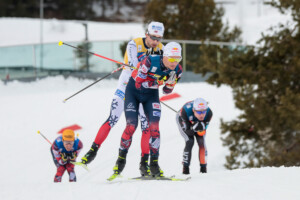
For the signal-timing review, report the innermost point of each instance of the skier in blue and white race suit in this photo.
(192, 120)
(136, 50)
(142, 89)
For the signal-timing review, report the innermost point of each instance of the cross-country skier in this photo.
(192, 120)
(136, 50)
(64, 150)
(142, 89)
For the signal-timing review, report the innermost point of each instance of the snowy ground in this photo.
(27, 170)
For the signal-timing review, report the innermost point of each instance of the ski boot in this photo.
(144, 167)
(154, 168)
(186, 170)
(121, 161)
(203, 168)
(91, 154)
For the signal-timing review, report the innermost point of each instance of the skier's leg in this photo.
(59, 173)
(189, 143)
(153, 111)
(117, 107)
(60, 168)
(202, 153)
(145, 143)
(131, 108)
(145, 131)
(71, 172)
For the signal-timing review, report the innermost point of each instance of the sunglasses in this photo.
(155, 38)
(199, 112)
(68, 142)
(174, 59)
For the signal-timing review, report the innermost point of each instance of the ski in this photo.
(160, 178)
(81, 164)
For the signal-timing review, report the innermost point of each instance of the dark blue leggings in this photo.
(150, 101)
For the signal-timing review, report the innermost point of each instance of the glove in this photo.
(160, 82)
(64, 157)
(158, 52)
(72, 156)
(138, 85)
(199, 127)
(149, 51)
(203, 168)
(201, 133)
(172, 79)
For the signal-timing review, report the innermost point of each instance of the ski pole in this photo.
(60, 43)
(44, 137)
(169, 106)
(93, 83)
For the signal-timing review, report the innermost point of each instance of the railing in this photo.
(28, 61)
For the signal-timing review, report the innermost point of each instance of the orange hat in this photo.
(68, 135)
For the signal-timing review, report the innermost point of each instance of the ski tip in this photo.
(60, 43)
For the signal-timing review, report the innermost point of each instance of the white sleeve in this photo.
(132, 53)
(124, 78)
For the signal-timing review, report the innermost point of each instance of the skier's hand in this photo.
(172, 79)
(149, 51)
(158, 52)
(160, 82)
(64, 157)
(138, 85)
(201, 133)
(198, 127)
(72, 156)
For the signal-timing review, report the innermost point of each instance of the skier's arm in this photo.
(186, 122)
(132, 53)
(57, 154)
(143, 69)
(172, 79)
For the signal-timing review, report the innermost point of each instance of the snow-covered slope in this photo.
(27, 169)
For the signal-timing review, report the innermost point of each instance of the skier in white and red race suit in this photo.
(192, 120)
(65, 149)
(142, 89)
(136, 50)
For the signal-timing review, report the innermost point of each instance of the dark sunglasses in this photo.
(199, 112)
(155, 38)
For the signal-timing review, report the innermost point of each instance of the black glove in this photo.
(71, 156)
(158, 52)
(150, 51)
(198, 127)
(203, 168)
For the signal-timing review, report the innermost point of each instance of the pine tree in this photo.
(193, 20)
(266, 85)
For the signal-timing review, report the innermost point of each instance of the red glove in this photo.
(138, 85)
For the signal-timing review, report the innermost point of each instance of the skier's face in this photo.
(171, 62)
(200, 115)
(152, 40)
(68, 145)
